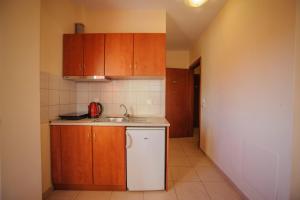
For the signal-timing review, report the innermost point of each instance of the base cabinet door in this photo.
(76, 155)
(109, 156)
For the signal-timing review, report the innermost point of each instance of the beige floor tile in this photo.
(177, 153)
(190, 191)
(209, 173)
(192, 150)
(199, 161)
(175, 146)
(93, 195)
(179, 161)
(221, 191)
(184, 174)
(161, 195)
(63, 195)
(127, 196)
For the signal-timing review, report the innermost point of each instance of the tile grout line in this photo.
(76, 196)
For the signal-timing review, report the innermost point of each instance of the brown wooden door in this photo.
(119, 54)
(76, 155)
(93, 54)
(149, 54)
(109, 155)
(178, 102)
(72, 55)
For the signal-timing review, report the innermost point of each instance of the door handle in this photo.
(128, 140)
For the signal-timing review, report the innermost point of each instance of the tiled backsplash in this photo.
(142, 97)
(58, 96)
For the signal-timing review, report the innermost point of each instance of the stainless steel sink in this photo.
(112, 119)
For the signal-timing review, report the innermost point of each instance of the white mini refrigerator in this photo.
(145, 158)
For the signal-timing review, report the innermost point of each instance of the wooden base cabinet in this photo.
(85, 157)
(109, 155)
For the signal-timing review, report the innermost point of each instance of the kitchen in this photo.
(113, 148)
(114, 74)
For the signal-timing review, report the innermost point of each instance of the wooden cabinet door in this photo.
(76, 155)
(72, 55)
(109, 155)
(149, 54)
(119, 54)
(55, 146)
(93, 54)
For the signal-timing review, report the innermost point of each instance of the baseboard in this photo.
(47, 193)
(244, 197)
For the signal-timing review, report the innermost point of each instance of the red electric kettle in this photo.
(95, 110)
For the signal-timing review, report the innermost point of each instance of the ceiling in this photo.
(184, 24)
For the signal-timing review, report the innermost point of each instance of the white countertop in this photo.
(133, 121)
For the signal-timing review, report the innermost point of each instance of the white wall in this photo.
(178, 59)
(295, 191)
(19, 82)
(247, 68)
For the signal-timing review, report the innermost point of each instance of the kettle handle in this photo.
(100, 107)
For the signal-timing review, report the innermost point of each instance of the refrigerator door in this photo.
(145, 159)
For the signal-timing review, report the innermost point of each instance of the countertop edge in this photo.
(151, 122)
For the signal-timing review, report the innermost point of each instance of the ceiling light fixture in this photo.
(195, 3)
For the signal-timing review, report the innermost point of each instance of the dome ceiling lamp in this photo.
(195, 3)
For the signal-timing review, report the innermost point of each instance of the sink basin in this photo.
(112, 119)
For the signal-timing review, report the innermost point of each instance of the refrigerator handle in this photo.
(128, 140)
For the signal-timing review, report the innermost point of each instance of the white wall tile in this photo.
(44, 97)
(73, 97)
(54, 82)
(53, 97)
(82, 108)
(53, 112)
(65, 109)
(94, 86)
(108, 109)
(121, 97)
(64, 97)
(138, 85)
(82, 97)
(82, 86)
(94, 96)
(149, 98)
(146, 93)
(106, 97)
(106, 86)
(44, 114)
(65, 85)
(120, 85)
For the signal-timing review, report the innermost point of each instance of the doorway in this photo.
(196, 123)
(179, 102)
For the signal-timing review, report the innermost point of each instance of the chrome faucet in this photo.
(126, 112)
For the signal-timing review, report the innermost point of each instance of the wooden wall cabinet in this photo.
(85, 157)
(119, 54)
(115, 54)
(83, 54)
(149, 54)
